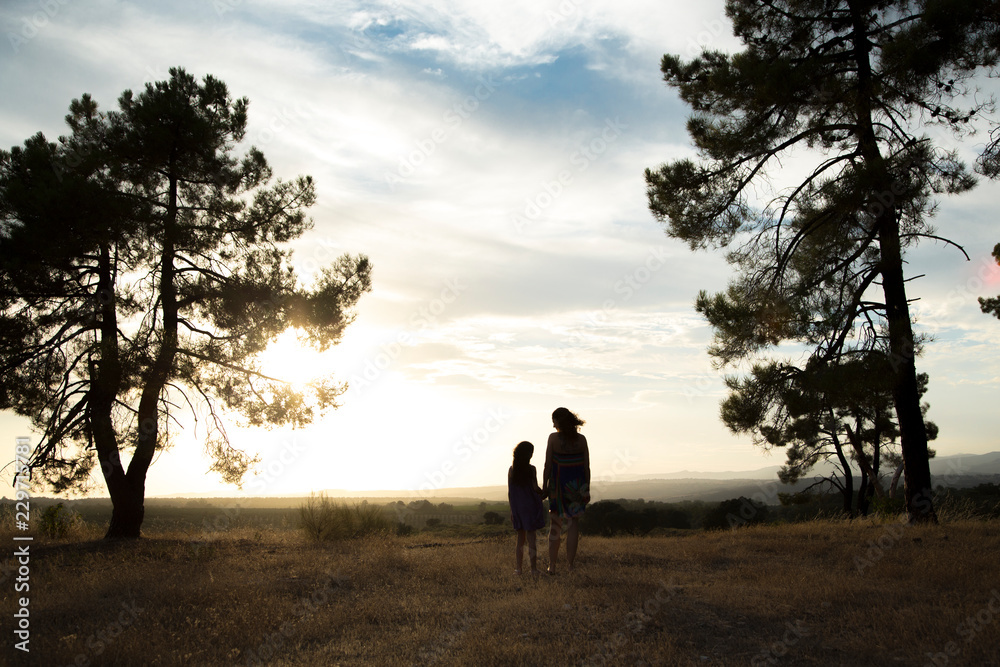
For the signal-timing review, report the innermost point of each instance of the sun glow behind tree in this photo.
(532, 325)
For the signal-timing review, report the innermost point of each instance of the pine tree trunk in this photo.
(867, 472)
(845, 465)
(849, 491)
(127, 512)
(906, 390)
(864, 494)
(128, 489)
(884, 207)
(126, 500)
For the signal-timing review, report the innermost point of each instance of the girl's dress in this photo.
(526, 511)
(568, 484)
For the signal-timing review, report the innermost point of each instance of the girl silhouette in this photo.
(525, 498)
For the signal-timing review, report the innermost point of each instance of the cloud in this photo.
(489, 159)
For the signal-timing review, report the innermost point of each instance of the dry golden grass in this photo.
(823, 593)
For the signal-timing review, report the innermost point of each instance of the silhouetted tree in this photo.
(143, 270)
(818, 413)
(847, 86)
(603, 518)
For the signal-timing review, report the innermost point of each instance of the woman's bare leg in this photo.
(519, 551)
(554, 536)
(572, 540)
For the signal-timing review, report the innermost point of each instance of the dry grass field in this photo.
(816, 593)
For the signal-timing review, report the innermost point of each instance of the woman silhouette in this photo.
(566, 477)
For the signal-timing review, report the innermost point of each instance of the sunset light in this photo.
(468, 332)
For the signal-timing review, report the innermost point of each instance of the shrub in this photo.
(603, 518)
(884, 506)
(322, 519)
(492, 519)
(978, 502)
(735, 513)
(371, 519)
(57, 522)
(421, 506)
(609, 518)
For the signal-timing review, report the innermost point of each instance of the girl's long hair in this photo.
(566, 424)
(520, 472)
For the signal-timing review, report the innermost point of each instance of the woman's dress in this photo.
(568, 488)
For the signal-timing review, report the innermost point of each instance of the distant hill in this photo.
(964, 465)
(770, 472)
(963, 470)
(950, 466)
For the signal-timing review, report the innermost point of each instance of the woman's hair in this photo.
(566, 420)
(566, 424)
(520, 471)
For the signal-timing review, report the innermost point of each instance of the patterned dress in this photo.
(568, 488)
(526, 510)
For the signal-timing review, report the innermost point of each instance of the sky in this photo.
(488, 157)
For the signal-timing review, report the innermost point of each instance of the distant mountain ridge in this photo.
(760, 473)
(957, 464)
(966, 464)
(961, 470)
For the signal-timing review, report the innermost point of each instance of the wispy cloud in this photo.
(499, 148)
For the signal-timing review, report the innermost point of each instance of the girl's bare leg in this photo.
(554, 537)
(572, 540)
(532, 552)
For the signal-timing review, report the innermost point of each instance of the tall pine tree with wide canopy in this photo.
(846, 88)
(143, 268)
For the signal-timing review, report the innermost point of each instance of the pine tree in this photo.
(144, 268)
(845, 87)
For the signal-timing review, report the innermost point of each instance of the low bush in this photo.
(322, 519)
(493, 519)
(735, 513)
(58, 522)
